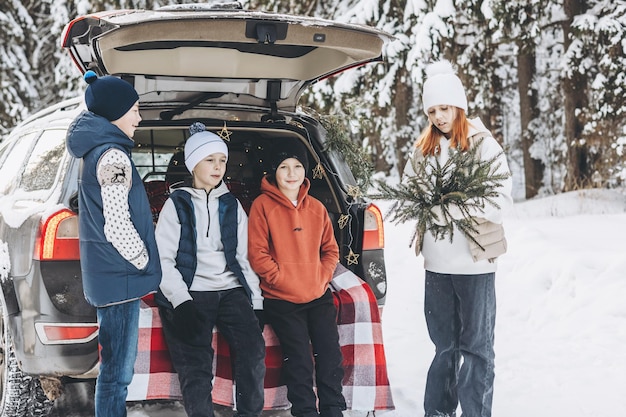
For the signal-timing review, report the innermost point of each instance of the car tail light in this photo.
(66, 333)
(58, 238)
(373, 229)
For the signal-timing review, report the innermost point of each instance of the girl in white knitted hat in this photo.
(460, 303)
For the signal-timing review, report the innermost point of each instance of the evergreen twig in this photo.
(464, 183)
(339, 140)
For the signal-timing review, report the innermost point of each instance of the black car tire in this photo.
(21, 394)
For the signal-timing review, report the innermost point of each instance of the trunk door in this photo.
(192, 54)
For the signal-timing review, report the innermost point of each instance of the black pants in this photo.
(231, 312)
(298, 327)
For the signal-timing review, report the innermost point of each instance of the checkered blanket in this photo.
(365, 385)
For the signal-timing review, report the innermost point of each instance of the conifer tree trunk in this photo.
(403, 102)
(526, 70)
(575, 93)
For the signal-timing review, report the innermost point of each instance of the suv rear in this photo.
(241, 74)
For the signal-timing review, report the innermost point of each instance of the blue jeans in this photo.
(231, 312)
(117, 336)
(460, 314)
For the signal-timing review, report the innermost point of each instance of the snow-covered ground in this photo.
(561, 321)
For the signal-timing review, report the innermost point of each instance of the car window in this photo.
(342, 169)
(14, 161)
(153, 150)
(152, 165)
(42, 167)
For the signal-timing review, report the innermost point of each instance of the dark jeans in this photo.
(232, 313)
(460, 314)
(298, 327)
(117, 336)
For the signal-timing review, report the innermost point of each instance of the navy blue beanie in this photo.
(108, 96)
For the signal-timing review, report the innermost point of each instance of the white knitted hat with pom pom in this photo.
(201, 144)
(443, 87)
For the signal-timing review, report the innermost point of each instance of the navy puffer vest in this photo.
(186, 260)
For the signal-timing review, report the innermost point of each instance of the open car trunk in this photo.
(158, 156)
(264, 59)
(159, 160)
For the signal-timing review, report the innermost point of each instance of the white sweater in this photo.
(443, 256)
(212, 273)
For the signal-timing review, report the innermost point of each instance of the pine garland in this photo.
(338, 140)
(463, 184)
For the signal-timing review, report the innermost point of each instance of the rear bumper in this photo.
(76, 359)
(35, 303)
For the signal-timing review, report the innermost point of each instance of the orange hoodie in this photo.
(292, 249)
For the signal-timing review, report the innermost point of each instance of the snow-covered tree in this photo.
(546, 76)
(17, 90)
(34, 70)
(519, 29)
(594, 66)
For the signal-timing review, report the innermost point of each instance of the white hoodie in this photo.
(212, 273)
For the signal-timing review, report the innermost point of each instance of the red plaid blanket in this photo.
(365, 385)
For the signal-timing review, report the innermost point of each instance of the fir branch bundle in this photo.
(338, 139)
(442, 197)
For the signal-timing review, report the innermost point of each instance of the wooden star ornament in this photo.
(354, 191)
(318, 172)
(343, 220)
(225, 133)
(352, 258)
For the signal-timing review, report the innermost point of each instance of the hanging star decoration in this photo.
(354, 191)
(318, 172)
(343, 220)
(352, 258)
(225, 133)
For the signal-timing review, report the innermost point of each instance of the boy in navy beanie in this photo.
(119, 257)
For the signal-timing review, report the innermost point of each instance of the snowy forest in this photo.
(548, 77)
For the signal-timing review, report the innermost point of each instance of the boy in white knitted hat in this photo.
(459, 301)
(202, 236)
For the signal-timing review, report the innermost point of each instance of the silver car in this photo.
(239, 72)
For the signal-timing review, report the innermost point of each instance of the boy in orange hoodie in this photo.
(292, 247)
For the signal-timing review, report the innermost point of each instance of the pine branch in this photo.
(464, 183)
(338, 139)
